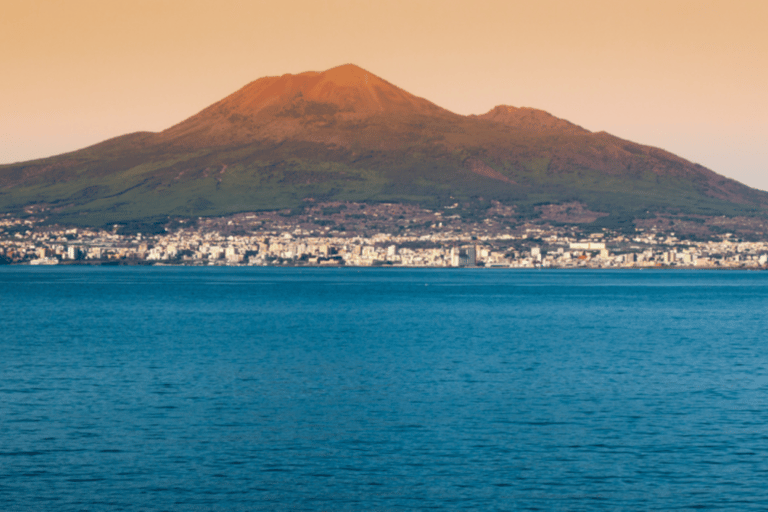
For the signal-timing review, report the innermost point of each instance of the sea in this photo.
(348, 389)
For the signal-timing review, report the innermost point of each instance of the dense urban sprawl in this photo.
(370, 235)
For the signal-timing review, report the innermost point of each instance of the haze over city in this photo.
(684, 76)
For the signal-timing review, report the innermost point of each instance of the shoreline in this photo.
(144, 263)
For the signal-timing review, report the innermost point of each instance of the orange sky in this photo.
(687, 76)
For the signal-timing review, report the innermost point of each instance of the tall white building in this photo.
(73, 252)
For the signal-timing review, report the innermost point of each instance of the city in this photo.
(363, 235)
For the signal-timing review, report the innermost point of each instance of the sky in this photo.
(686, 76)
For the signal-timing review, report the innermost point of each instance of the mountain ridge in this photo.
(345, 134)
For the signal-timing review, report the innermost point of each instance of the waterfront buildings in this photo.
(253, 239)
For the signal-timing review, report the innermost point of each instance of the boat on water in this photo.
(44, 261)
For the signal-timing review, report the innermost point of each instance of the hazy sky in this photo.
(687, 76)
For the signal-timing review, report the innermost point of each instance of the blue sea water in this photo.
(352, 389)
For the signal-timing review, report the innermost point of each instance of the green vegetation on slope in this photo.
(433, 162)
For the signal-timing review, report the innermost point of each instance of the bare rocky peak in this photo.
(290, 105)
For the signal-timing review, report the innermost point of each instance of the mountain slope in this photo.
(329, 108)
(346, 134)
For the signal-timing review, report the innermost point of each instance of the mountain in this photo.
(348, 135)
(317, 107)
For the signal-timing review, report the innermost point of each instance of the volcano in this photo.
(319, 107)
(347, 135)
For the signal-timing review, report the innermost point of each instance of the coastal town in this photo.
(383, 235)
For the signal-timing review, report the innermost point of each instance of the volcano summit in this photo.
(347, 135)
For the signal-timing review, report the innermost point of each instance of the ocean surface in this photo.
(359, 389)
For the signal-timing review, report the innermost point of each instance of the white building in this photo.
(73, 252)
